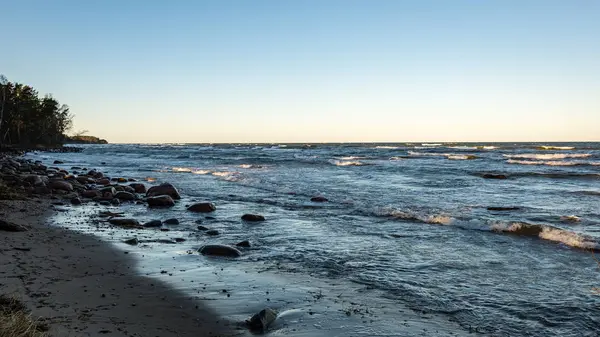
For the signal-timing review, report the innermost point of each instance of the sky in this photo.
(144, 71)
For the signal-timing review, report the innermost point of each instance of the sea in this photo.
(494, 239)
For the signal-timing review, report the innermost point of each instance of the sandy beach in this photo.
(80, 286)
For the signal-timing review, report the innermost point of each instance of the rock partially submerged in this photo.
(138, 187)
(172, 221)
(163, 189)
(260, 322)
(244, 244)
(253, 217)
(220, 250)
(161, 201)
(153, 223)
(503, 208)
(132, 242)
(319, 199)
(202, 207)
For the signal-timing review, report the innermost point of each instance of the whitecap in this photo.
(201, 172)
(548, 147)
(382, 147)
(547, 156)
(553, 162)
(549, 233)
(347, 163)
(181, 169)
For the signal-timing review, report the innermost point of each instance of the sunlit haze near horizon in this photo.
(313, 71)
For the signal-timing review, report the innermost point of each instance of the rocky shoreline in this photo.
(30, 191)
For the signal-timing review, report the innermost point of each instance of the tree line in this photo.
(27, 118)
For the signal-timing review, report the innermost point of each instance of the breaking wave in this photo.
(548, 156)
(452, 156)
(385, 147)
(348, 163)
(548, 233)
(437, 219)
(553, 162)
(548, 147)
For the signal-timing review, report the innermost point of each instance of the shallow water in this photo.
(408, 222)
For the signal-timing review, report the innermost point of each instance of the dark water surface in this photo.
(408, 220)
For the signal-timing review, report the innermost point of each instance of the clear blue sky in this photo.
(326, 70)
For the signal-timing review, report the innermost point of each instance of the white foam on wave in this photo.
(452, 156)
(431, 144)
(351, 158)
(201, 172)
(547, 156)
(249, 166)
(347, 163)
(549, 233)
(181, 169)
(552, 162)
(570, 218)
(461, 157)
(548, 147)
(383, 147)
(569, 238)
(436, 219)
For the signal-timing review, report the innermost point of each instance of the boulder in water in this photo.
(253, 217)
(244, 244)
(153, 223)
(172, 221)
(202, 207)
(319, 199)
(260, 322)
(161, 201)
(132, 242)
(220, 250)
(164, 189)
(212, 232)
(503, 208)
(125, 196)
(138, 187)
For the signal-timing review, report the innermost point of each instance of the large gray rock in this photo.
(60, 185)
(161, 201)
(125, 196)
(91, 194)
(164, 189)
(261, 321)
(36, 180)
(138, 187)
(220, 250)
(202, 207)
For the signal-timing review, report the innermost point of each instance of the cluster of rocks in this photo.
(81, 186)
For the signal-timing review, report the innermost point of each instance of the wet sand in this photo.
(81, 286)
